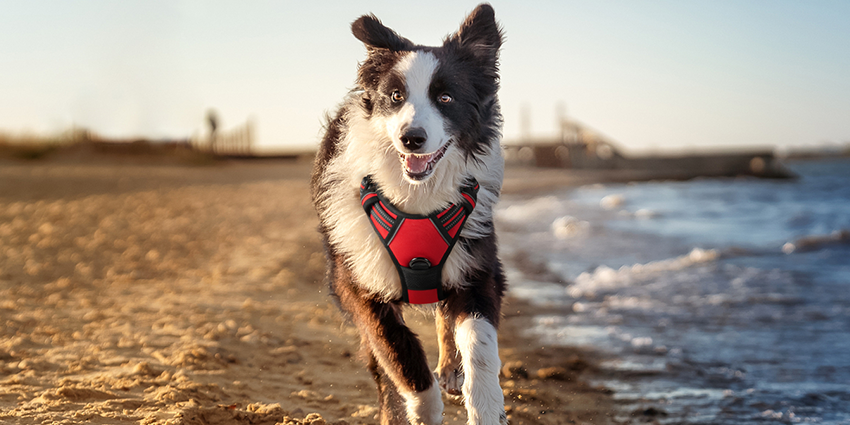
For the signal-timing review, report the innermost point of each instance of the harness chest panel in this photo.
(418, 244)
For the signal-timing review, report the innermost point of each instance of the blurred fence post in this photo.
(236, 142)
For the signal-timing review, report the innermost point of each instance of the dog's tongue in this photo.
(417, 164)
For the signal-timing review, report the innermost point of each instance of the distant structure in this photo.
(236, 142)
(212, 120)
(577, 146)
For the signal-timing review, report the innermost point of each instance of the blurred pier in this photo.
(581, 148)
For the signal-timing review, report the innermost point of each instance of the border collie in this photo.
(421, 127)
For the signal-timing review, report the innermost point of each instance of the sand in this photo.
(143, 292)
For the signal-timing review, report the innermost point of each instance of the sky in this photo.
(651, 75)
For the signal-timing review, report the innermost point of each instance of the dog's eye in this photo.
(445, 98)
(396, 96)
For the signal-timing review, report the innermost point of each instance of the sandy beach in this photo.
(151, 293)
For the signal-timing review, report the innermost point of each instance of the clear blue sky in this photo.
(650, 74)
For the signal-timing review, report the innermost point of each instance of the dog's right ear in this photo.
(375, 35)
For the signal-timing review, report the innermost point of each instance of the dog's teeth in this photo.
(417, 164)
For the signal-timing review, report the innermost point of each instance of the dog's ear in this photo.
(375, 35)
(480, 35)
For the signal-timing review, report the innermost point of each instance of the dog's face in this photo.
(431, 104)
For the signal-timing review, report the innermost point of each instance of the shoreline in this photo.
(145, 293)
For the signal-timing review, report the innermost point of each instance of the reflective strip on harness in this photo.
(418, 244)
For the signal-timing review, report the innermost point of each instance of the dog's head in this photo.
(432, 104)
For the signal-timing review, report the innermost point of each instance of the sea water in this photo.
(711, 300)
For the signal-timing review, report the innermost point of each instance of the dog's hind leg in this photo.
(449, 371)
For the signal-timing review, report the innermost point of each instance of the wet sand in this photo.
(173, 294)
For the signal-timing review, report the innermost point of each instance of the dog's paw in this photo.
(451, 380)
(425, 407)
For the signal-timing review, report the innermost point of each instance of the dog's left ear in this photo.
(480, 35)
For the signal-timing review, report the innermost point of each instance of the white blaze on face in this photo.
(418, 109)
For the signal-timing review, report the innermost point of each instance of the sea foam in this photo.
(605, 278)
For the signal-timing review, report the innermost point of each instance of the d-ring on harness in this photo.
(418, 244)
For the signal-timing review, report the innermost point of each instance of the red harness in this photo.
(418, 244)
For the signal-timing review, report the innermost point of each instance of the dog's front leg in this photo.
(477, 315)
(394, 352)
(399, 353)
(478, 344)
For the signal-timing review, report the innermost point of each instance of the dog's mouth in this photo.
(419, 166)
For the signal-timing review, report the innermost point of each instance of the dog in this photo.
(404, 184)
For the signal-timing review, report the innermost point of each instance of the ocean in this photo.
(708, 301)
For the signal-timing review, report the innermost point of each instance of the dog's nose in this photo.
(413, 138)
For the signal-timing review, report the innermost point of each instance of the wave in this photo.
(565, 227)
(817, 242)
(530, 210)
(604, 278)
